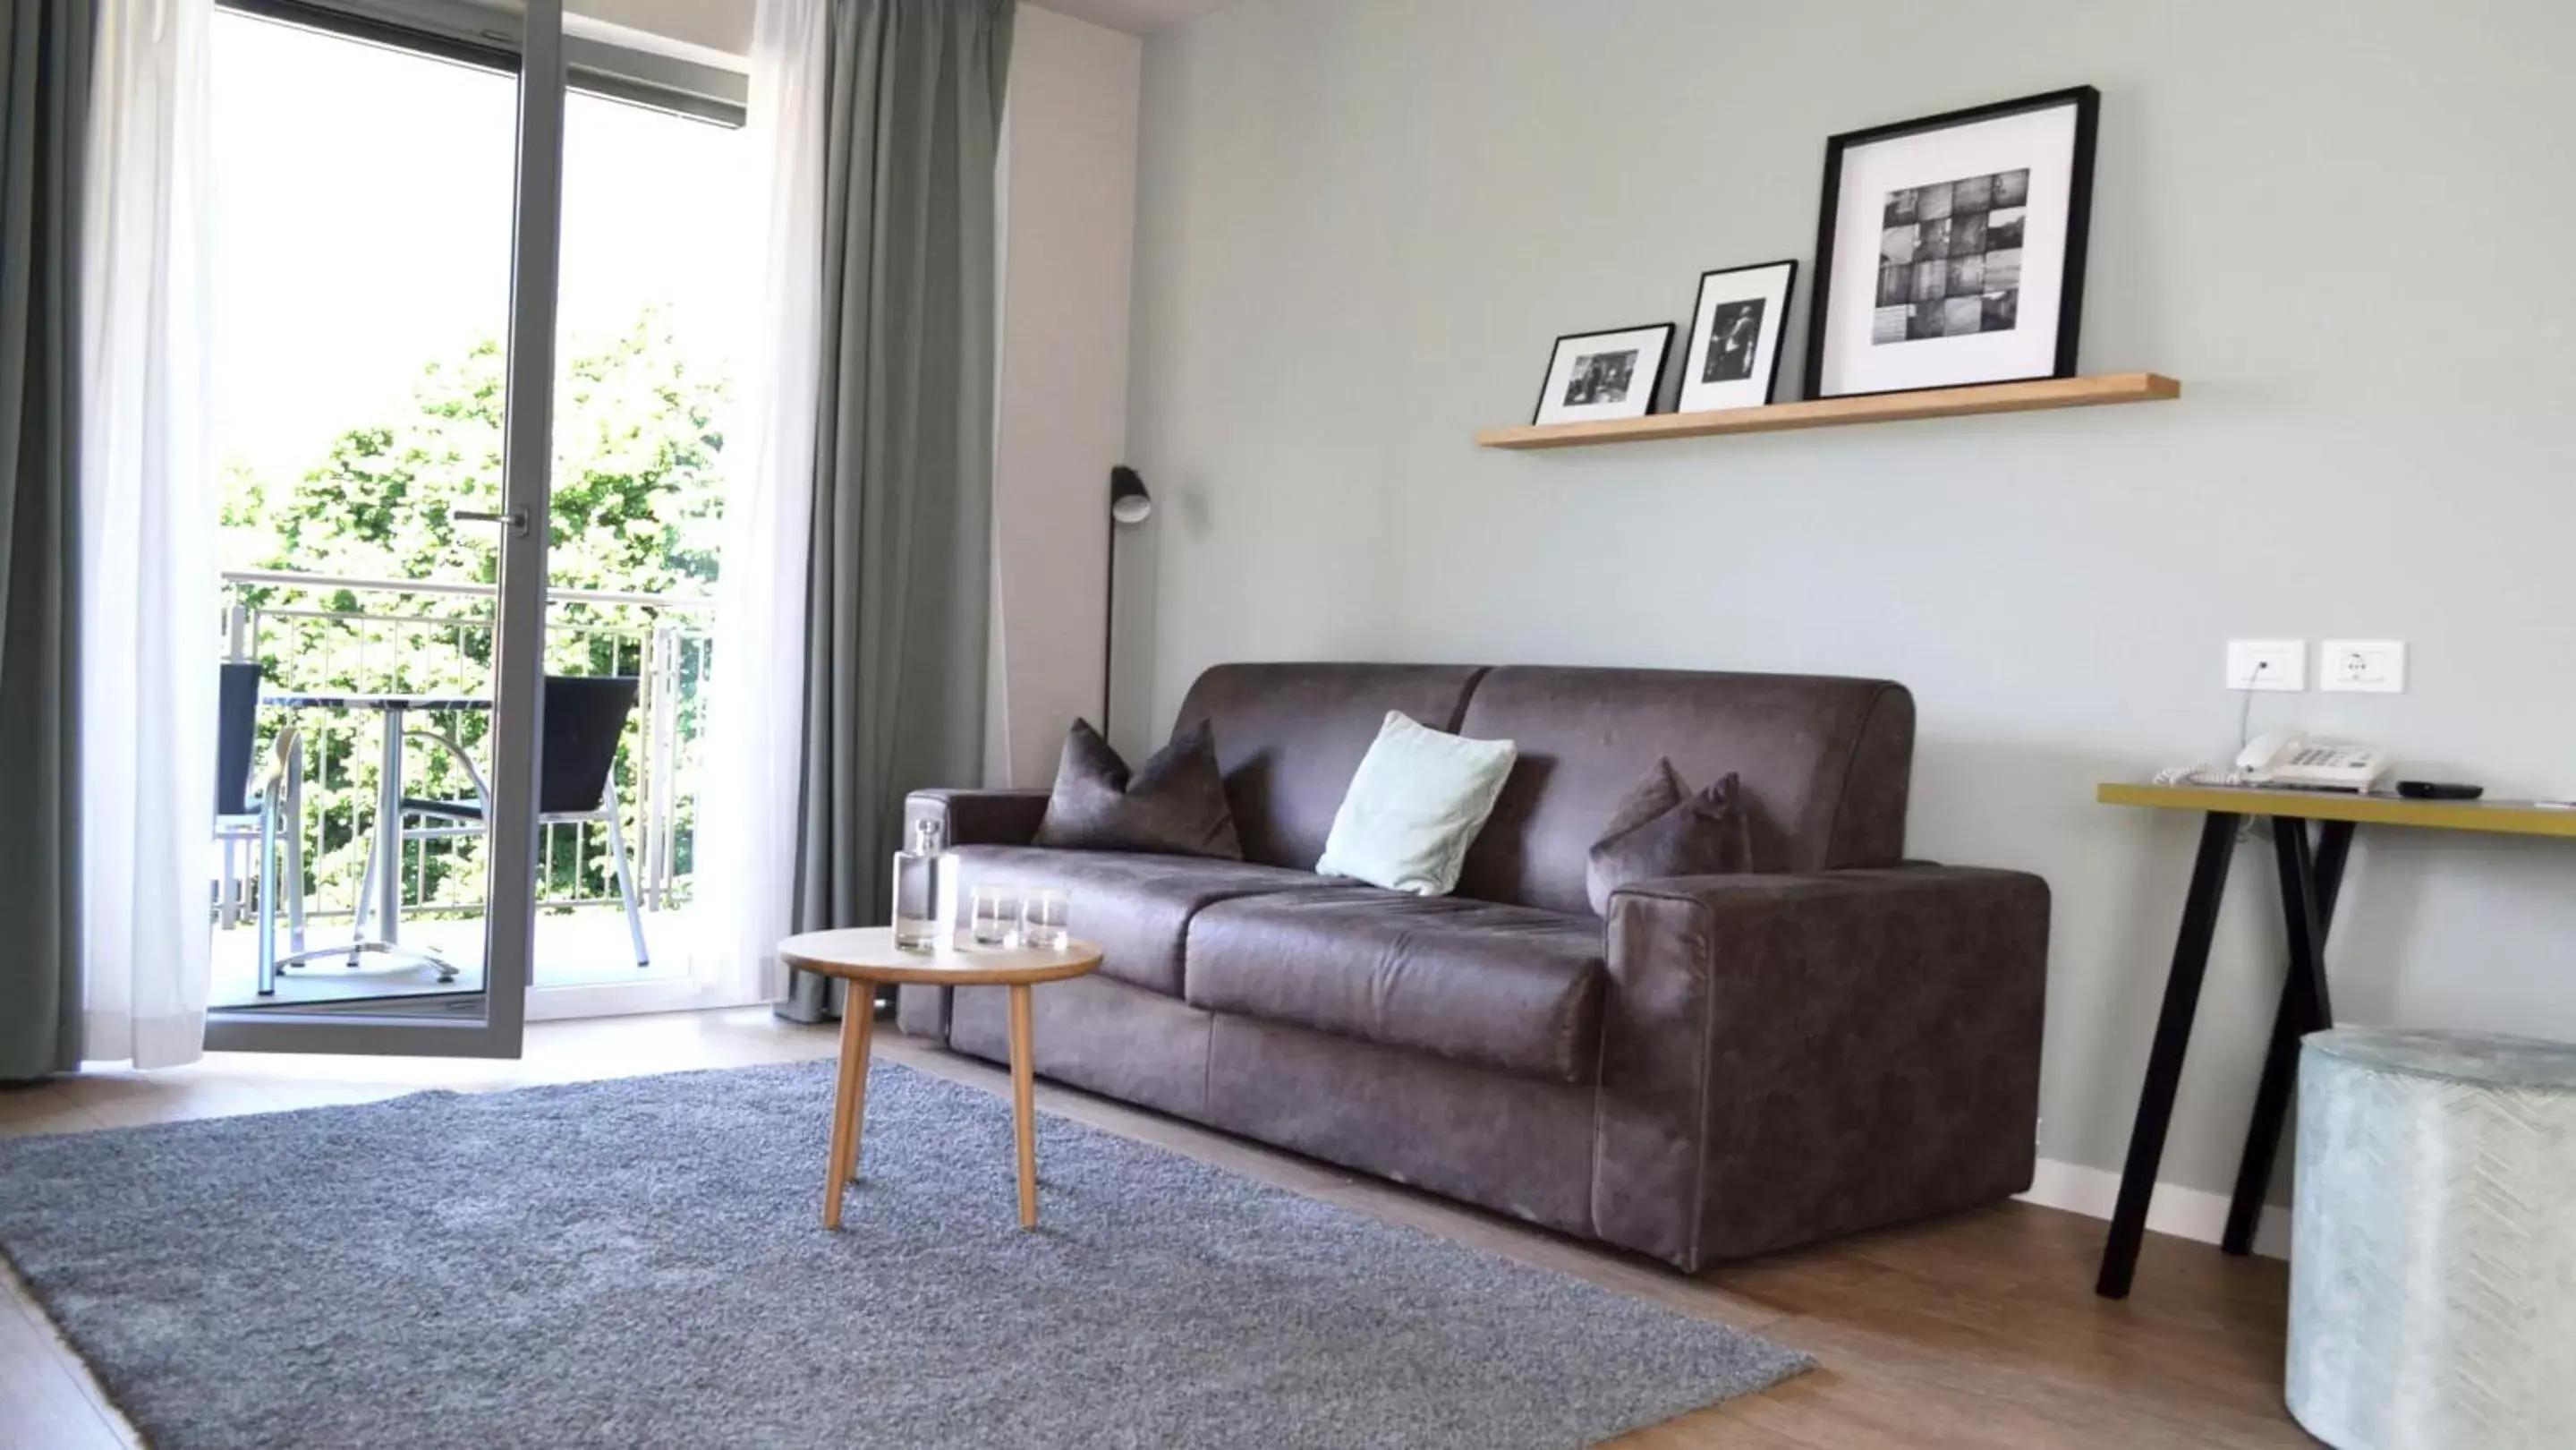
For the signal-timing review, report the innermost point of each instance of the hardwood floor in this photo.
(1979, 1330)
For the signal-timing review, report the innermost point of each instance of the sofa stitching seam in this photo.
(1842, 786)
(1601, 1077)
(1467, 697)
(1207, 1070)
(1698, 1224)
(1207, 1063)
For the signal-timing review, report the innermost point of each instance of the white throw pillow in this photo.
(1414, 807)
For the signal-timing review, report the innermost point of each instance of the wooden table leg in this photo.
(850, 1098)
(1024, 1108)
(2164, 1059)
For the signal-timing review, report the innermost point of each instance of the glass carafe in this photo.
(917, 924)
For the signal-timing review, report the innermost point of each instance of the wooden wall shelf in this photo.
(1833, 412)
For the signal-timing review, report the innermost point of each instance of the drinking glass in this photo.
(996, 916)
(1046, 920)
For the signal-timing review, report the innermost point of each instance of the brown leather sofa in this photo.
(1728, 1065)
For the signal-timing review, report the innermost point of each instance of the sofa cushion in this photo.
(1173, 804)
(1503, 987)
(1823, 762)
(1288, 738)
(1135, 906)
(1662, 828)
(1419, 797)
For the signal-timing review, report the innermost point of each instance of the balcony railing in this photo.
(312, 633)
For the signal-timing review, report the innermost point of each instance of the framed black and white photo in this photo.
(1733, 360)
(1596, 376)
(1950, 250)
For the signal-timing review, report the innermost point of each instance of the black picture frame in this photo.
(1779, 326)
(2087, 103)
(1654, 383)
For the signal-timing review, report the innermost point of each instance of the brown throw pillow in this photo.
(1173, 804)
(1662, 829)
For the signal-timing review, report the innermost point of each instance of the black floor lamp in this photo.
(1129, 505)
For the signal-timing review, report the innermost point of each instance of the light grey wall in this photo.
(2350, 228)
(1068, 204)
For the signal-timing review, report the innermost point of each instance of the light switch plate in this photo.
(2267, 664)
(2374, 666)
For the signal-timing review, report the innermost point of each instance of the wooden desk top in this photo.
(2503, 818)
(868, 954)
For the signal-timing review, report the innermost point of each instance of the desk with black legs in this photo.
(2310, 869)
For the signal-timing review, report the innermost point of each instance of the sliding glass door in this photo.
(649, 317)
(387, 189)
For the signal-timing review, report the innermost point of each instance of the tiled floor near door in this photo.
(1979, 1330)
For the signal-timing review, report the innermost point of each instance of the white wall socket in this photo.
(2374, 666)
(2267, 664)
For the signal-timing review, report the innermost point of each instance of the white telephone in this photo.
(2289, 759)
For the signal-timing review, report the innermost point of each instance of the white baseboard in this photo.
(2183, 1212)
(628, 999)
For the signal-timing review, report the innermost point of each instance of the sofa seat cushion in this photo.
(1136, 906)
(1503, 987)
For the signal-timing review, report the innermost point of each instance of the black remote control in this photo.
(2439, 790)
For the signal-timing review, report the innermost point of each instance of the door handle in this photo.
(517, 519)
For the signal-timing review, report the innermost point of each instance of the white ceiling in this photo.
(1137, 17)
(725, 25)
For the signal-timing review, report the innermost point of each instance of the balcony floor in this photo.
(583, 946)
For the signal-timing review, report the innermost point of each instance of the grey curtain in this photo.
(45, 51)
(898, 580)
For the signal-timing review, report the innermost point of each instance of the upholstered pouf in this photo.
(2433, 1254)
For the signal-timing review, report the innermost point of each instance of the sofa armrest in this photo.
(1790, 1057)
(979, 817)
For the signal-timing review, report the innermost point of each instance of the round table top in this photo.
(868, 954)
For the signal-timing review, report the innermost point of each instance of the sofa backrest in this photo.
(1824, 760)
(1289, 737)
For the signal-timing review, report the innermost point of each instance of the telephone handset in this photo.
(2288, 759)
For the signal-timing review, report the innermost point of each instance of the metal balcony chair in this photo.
(576, 781)
(277, 790)
(246, 810)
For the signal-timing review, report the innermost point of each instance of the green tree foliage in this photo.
(637, 509)
(637, 498)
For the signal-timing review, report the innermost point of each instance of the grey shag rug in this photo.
(639, 1263)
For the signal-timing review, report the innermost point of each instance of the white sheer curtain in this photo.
(147, 520)
(746, 865)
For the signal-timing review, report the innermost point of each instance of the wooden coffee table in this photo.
(865, 957)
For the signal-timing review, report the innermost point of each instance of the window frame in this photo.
(489, 37)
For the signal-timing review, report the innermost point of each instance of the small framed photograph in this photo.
(1597, 376)
(1733, 360)
(1950, 250)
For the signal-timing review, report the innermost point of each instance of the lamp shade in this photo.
(1129, 503)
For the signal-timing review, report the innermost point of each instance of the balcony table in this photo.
(387, 847)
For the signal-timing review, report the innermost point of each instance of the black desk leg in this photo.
(2305, 1007)
(2164, 1059)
